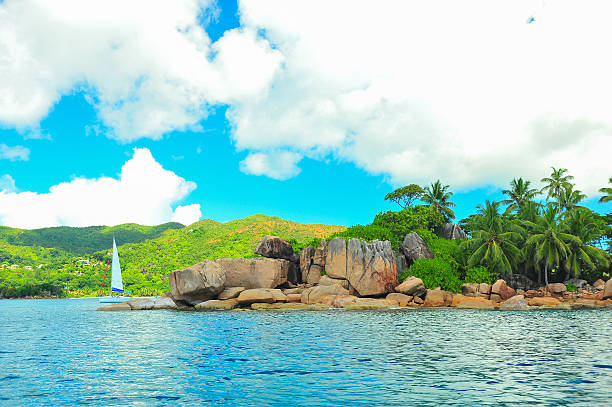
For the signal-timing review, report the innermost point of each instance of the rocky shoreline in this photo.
(353, 275)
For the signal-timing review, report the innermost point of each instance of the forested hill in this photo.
(82, 240)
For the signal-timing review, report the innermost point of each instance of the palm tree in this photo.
(608, 191)
(555, 182)
(438, 197)
(518, 194)
(549, 244)
(495, 244)
(529, 211)
(569, 198)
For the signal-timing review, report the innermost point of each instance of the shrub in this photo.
(368, 233)
(480, 274)
(571, 287)
(435, 272)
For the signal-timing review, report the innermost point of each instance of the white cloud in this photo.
(143, 193)
(147, 66)
(187, 214)
(464, 91)
(7, 183)
(280, 165)
(14, 153)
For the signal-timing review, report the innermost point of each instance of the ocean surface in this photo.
(63, 352)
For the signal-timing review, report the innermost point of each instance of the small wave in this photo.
(603, 366)
(9, 377)
(166, 398)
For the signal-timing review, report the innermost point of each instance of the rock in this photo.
(294, 297)
(518, 281)
(326, 280)
(279, 296)
(139, 304)
(320, 254)
(295, 290)
(607, 292)
(542, 301)
(495, 298)
(402, 263)
(576, 282)
(401, 299)
(340, 301)
(230, 292)
(501, 288)
(516, 303)
(120, 306)
(274, 247)
(252, 295)
(198, 283)
(484, 288)
(583, 303)
(599, 283)
(306, 261)
(438, 298)
(317, 294)
(362, 304)
(371, 267)
(412, 286)
(255, 273)
(474, 303)
(452, 231)
(297, 306)
(469, 289)
(164, 302)
(314, 274)
(414, 248)
(336, 259)
(212, 305)
(418, 300)
(556, 288)
(294, 276)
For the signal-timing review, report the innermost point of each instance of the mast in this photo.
(116, 281)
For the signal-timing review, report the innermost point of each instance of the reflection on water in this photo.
(64, 352)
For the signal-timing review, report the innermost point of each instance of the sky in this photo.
(157, 111)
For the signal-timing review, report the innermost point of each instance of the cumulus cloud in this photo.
(143, 193)
(7, 183)
(280, 165)
(147, 66)
(14, 153)
(463, 91)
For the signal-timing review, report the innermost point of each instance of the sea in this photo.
(64, 352)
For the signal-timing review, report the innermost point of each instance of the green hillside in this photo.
(146, 263)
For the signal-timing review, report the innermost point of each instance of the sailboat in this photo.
(116, 281)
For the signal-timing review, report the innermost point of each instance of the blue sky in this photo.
(274, 133)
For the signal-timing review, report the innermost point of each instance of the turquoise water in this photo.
(58, 352)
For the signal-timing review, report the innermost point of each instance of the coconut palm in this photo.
(556, 182)
(548, 246)
(518, 194)
(437, 196)
(529, 211)
(607, 193)
(494, 245)
(569, 198)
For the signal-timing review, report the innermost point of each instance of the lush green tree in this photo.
(405, 196)
(438, 198)
(494, 243)
(548, 245)
(529, 211)
(400, 223)
(555, 183)
(518, 194)
(569, 198)
(607, 193)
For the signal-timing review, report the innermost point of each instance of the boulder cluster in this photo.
(351, 274)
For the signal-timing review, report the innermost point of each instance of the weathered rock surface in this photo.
(314, 274)
(340, 301)
(252, 295)
(294, 297)
(484, 288)
(371, 267)
(452, 231)
(556, 288)
(255, 273)
(438, 298)
(164, 302)
(518, 281)
(599, 283)
(516, 303)
(198, 283)
(320, 254)
(362, 304)
(212, 305)
(230, 292)
(607, 292)
(317, 294)
(576, 282)
(274, 247)
(336, 259)
(306, 261)
(139, 304)
(543, 301)
(415, 248)
(412, 286)
(288, 306)
(402, 263)
(326, 280)
(501, 288)
(402, 299)
(474, 303)
(120, 306)
(469, 289)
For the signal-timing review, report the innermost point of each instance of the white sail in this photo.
(116, 282)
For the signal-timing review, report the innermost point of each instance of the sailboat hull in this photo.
(114, 299)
